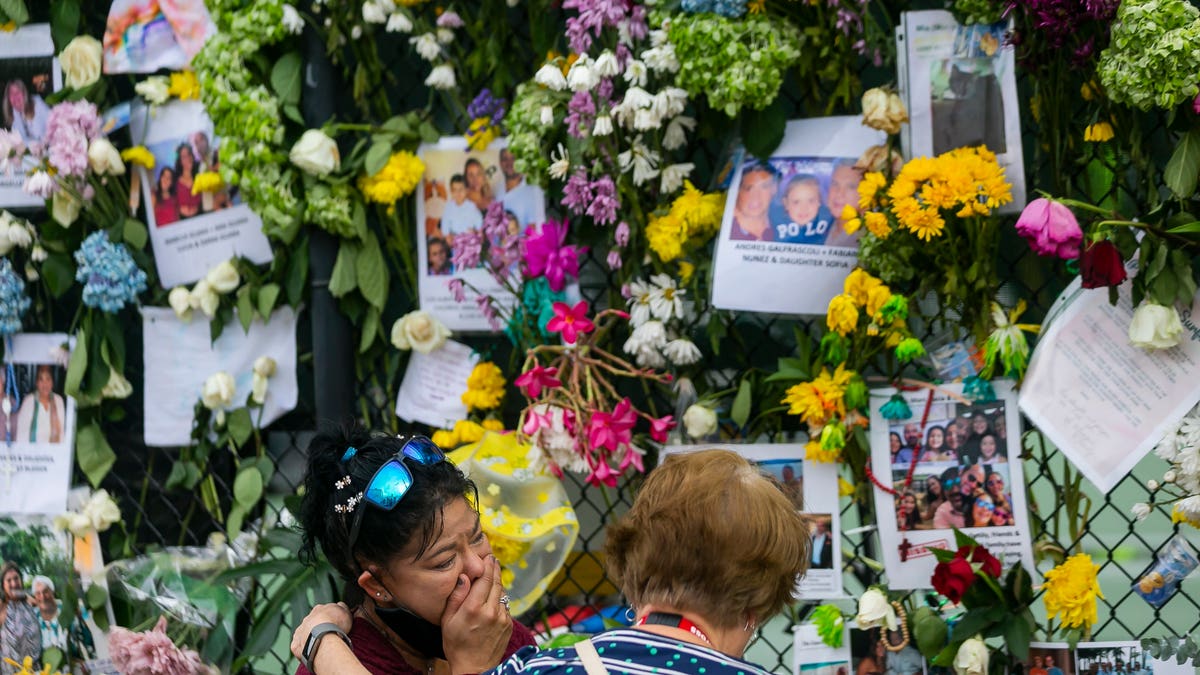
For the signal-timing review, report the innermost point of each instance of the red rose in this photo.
(1100, 265)
(953, 578)
(989, 565)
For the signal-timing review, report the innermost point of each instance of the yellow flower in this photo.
(686, 270)
(868, 186)
(492, 424)
(1089, 90)
(184, 86)
(467, 431)
(445, 438)
(1099, 132)
(1178, 515)
(138, 155)
(756, 6)
(813, 451)
(858, 285)
(926, 224)
(700, 213)
(845, 487)
(822, 398)
(1071, 590)
(398, 178)
(877, 224)
(876, 299)
(9, 27)
(485, 387)
(665, 235)
(481, 133)
(842, 316)
(207, 181)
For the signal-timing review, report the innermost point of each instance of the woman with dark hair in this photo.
(935, 496)
(20, 635)
(396, 520)
(185, 175)
(751, 211)
(908, 516)
(1003, 515)
(710, 549)
(989, 449)
(25, 114)
(42, 414)
(166, 207)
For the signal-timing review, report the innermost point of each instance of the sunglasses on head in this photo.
(392, 481)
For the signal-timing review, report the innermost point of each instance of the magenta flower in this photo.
(581, 114)
(621, 235)
(534, 421)
(612, 430)
(1050, 228)
(659, 428)
(546, 254)
(632, 457)
(536, 379)
(456, 289)
(1196, 104)
(602, 473)
(570, 321)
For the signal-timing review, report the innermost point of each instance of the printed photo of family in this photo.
(38, 411)
(962, 476)
(1049, 660)
(796, 200)
(869, 654)
(458, 188)
(177, 162)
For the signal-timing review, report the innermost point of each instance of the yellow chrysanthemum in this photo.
(876, 298)
(877, 224)
(138, 155)
(822, 398)
(842, 315)
(492, 424)
(665, 235)
(467, 431)
(207, 181)
(926, 224)
(1071, 590)
(481, 133)
(485, 387)
(397, 178)
(1099, 132)
(868, 187)
(699, 212)
(445, 438)
(813, 451)
(859, 284)
(184, 86)
(686, 270)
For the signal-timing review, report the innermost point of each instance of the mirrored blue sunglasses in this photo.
(393, 480)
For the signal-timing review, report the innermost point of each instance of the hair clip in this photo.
(350, 452)
(342, 483)
(348, 507)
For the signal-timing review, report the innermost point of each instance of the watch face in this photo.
(308, 645)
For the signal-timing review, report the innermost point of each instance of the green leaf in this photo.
(975, 621)
(135, 234)
(267, 296)
(930, 631)
(962, 539)
(1017, 634)
(372, 272)
(233, 524)
(741, 403)
(429, 133)
(77, 366)
(377, 157)
(370, 330)
(15, 11)
(946, 656)
(344, 277)
(96, 597)
(790, 368)
(239, 425)
(64, 22)
(59, 272)
(1187, 228)
(248, 486)
(762, 130)
(245, 307)
(1153, 647)
(399, 125)
(93, 453)
(286, 77)
(1183, 169)
(297, 273)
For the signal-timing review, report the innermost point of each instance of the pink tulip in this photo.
(1050, 228)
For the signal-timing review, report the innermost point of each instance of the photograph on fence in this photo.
(978, 487)
(1124, 658)
(29, 73)
(38, 422)
(143, 36)
(191, 231)
(869, 653)
(783, 225)
(39, 564)
(456, 192)
(811, 656)
(1049, 658)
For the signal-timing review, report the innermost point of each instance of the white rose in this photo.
(399, 22)
(316, 153)
(101, 511)
(104, 158)
(155, 89)
(80, 61)
(1170, 476)
(883, 110)
(700, 421)
(64, 208)
(1155, 326)
(264, 366)
(258, 389)
(223, 278)
(204, 298)
(117, 386)
(420, 331)
(75, 523)
(972, 658)
(218, 391)
(181, 301)
(874, 608)
(18, 234)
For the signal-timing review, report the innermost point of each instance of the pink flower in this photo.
(1196, 104)
(571, 321)
(547, 255)
(612, 430)
(659, 428)
(152, 653)
(467, 248)
(602, 473)
(614, 260)
(1050, 228)
(621, 235)
(11, 151)
(534, 421)
(537, 378)
(70, 127)
(632, 457)
(450, 20)
(456, 289)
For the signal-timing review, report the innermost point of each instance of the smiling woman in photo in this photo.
(42, 415)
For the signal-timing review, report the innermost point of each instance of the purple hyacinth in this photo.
(577, 193)
(488, 106)
(605, 203)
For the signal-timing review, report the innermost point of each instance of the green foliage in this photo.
(1153, 60)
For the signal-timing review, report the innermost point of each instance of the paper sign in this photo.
(433, 385)
(811, 656)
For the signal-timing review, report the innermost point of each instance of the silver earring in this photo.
(630, 614)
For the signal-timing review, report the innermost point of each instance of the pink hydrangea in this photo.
(70, 128)
(152, 653)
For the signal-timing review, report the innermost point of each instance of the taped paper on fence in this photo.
(179, 358)
(968, 475)
(433, 385)
(1103, 402)
(37, 426)
(813, 487)
(811, 656)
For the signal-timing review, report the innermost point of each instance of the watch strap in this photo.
(314, 640)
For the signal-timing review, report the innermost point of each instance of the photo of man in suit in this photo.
(822, 542)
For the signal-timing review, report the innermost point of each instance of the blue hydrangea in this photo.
(730, 9)
(696, 6)
(13, 301)
(110, 276)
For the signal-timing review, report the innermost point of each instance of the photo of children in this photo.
(966, 103)
(177, 163)
(795, 200)
(790, 474)
(943, 495)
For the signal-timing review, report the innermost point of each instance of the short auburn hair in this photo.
(710, 533)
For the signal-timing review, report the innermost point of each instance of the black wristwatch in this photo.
(314, 640)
